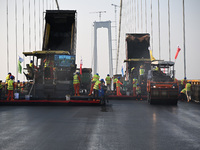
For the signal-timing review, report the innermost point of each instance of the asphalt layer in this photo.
(121, 125)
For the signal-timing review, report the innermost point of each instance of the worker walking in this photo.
(76, 83)
(97, 87)
(94, 79)
(118, 83)
(135, 81)
(188, 91)
(10, 88)
(108, 82)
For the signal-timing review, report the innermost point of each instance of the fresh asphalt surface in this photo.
(121, 125)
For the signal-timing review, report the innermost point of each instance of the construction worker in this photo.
(108, 82)
(97, 87)
(10, 88)
(135, 82)
(141, 72)
(114, 83)
(188, 91)
(76, 83)
(31, 64)
(94, 79)
(138, 92)
(118, 83)
(1, 87)
(8, 77)
(182, 95)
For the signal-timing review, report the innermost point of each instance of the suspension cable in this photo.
(119, 35)
(169, 30)
(159, 28)
(16, 39)
(7, 39)
(23, 34)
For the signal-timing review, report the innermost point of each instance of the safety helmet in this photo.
(190, 82)
(185, 78)
(118, 78)
(137, 84)
(11, 77)
(18, 81)
(108, 75)
(97, 74)
(9, 73)
(77, 72)
(102, 80)
(31, 61)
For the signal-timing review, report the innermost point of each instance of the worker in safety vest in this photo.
(183, 83)
(8, 77)
(94, 79)
(108, 82)
(118, 83)
(114, 83)
(182, 95)
(141, 73)
(138, 92)
(76, 83)
(10, 88)
(135, 81)
(97, 87)
(1, 87)
(188, 91)
(31, 64)
(18, 86)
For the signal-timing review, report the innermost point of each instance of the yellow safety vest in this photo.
(7, 78)
(118, 83)
(135, 84)
(108, 80)
(141, 71)
(31, 64)
(76, 80)
(96, 85)
(183, 91)
(115, 80)
(95, 78)
(188, 87)
(46, 63)
(138, 89)
(10, 85)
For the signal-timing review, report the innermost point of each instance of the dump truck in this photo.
(162, 86)
(54, 65)
(137, 54)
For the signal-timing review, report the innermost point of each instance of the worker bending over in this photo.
(76, 83)
(118, 83)
(94, 79)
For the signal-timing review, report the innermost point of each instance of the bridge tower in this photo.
(103, 24)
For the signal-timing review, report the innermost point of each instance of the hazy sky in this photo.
(85, 19)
